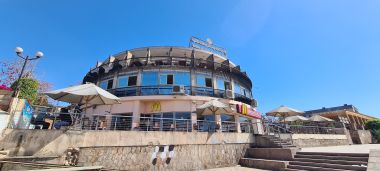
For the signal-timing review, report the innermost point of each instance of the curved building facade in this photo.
(165, 83)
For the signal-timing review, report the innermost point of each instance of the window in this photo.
(220, 84)
(182, 78)
(166, 79)
(122, 81)
(103, 85)
(203, 81)
(132, 80)
(149, 78)
(237, 88)
(107, 84)
(208, 82)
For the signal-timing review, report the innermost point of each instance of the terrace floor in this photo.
(357, 148)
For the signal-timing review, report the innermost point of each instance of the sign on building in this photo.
(207, 45)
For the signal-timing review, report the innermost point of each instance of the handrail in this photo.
(167, 90)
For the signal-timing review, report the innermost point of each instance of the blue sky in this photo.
(304, 54)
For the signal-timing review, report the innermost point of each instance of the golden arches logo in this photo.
(156, 107)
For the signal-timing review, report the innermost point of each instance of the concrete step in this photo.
(311, 168)
(263, 163)
(289, 169)
(335, 154)
(329, 165)
(347, 158)
(342, 162)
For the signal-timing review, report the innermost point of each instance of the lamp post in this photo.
(26, 58)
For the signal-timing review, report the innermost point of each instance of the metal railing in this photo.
(301, 129)
(109, 122)
(168, 90)
(169, 61)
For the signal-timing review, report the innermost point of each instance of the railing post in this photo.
(114, 128)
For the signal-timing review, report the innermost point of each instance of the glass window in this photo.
(237, 88)
(149, 78)
(132, 81)
(220, 84)
(182, 78)
(103, 85)
(201, 82)
(166, 79)
(208, 82)
(122, 81)
(163, 79)
(109, 84)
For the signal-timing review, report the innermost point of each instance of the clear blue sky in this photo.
(304, 54)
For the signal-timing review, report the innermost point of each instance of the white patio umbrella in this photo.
(84, 94)
(318, 118)
(87, 94)
(295, 118)
(284, 111)
(214, 107)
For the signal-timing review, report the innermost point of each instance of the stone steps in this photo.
(347, 158)
(335, 154)
(342, 162)
(310, 168)
(329, 165)
(321, 161)
(263, 163)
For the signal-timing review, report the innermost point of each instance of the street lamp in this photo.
(26, 58)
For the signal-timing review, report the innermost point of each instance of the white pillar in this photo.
(237, 121)
(136, 114)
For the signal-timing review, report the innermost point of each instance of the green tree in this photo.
(28, 89)
(373, 124)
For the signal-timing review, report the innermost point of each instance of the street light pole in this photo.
(19, 51)
(12, 110)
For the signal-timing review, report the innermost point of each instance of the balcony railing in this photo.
(124, 123)
(168, 90)
(170, 61)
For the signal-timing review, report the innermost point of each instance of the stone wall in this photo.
(174, 157)
(374, 160)
(316, 140)
(55, 142)
(361, 136)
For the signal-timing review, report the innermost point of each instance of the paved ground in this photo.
(236, 168)
(360, 148)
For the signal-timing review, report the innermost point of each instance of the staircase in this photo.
(272, 141)
(319, 161)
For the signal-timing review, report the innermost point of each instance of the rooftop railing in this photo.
(170, 61)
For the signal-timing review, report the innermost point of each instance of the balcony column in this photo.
(136, 114)
(139, 82)
(218, 120)
(237, 121)
(193, 78)
(194, 117)
(114, 85)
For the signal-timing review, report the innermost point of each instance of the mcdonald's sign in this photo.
(156, 107)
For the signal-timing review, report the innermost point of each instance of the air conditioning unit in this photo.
(179, 89)
(229, 94)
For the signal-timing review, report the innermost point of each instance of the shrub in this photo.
(28, 89)
(373, 124)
